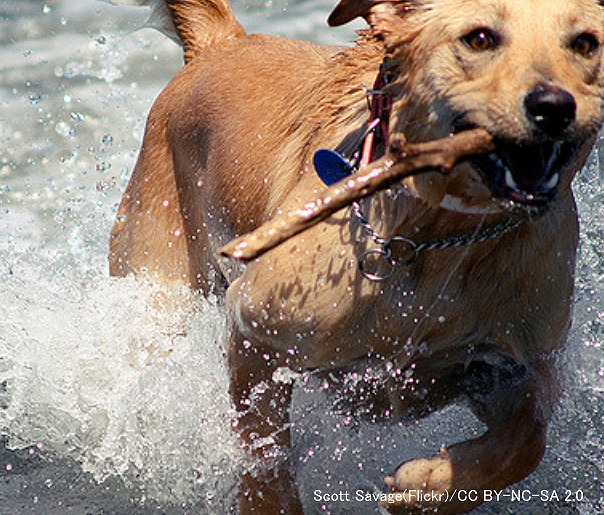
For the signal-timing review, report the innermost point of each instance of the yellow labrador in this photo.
(483, 312)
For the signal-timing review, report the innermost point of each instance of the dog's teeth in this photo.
(509, 180)
(553, 156)
(496, 161)
(553, 182)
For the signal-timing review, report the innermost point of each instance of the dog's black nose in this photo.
(550, 109)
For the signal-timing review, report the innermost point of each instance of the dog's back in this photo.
(239, 117)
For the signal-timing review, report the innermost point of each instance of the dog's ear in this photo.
(348, 10)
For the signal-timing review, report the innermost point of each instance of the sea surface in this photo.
(113, 391)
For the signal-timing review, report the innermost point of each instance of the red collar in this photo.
(331, 166)
(380, 104)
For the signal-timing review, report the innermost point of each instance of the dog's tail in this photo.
(197, 24)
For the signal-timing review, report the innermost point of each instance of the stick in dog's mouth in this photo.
(402, 160)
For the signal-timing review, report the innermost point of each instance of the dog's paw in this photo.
(420, 485)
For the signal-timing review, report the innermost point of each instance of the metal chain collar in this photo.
(384, 253)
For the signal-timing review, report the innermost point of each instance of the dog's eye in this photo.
(480, 40)
(585, 45)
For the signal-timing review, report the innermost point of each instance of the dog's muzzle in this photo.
(529, 172)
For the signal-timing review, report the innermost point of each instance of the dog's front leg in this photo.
(263, 424)
(512, 447)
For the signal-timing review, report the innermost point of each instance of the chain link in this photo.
(385, 251)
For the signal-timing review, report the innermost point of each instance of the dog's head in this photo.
(528, 71)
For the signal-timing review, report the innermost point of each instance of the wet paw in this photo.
(420, 485)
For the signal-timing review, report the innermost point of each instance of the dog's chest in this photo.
(426, 316)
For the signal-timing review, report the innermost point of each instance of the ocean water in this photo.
(113, 391)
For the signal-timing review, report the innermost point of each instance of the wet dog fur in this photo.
(229, 143)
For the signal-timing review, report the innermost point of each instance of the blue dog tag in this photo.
(331, 167)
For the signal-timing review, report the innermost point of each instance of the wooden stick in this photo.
(402, 160)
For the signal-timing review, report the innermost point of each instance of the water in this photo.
(112, 391)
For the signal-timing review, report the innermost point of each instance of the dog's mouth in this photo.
(526, 173)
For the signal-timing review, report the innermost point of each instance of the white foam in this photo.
(126, 378)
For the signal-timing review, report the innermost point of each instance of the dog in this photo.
(230, 143)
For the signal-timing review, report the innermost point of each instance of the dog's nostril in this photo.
(550, 108)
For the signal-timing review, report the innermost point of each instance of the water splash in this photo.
(123, 377)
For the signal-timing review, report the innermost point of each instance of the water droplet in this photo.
(103, 166)
(64, 129)
(101, 40)
(35, 98)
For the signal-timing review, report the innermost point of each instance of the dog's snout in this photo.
(551, 109)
